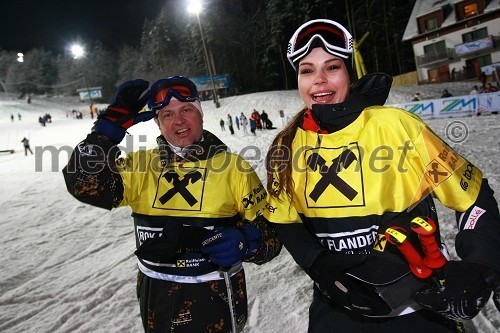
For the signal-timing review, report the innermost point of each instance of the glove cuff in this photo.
(253, 239)
(109, 129)
(491, 276)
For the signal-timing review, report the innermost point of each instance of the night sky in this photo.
(55, 24)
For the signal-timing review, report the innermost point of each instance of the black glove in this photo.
(328, 270)
(229, 245)
(463, 294)
(493, 281)
(123, 112)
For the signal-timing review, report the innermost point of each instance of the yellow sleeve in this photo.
(281, 209)
(132, 169)
(446, 175)
(253, 195)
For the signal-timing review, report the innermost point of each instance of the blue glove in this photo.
(230, 245)
(123, 112)
(464, 293)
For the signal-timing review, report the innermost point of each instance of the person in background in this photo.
(190, 246)
(490, 88)
(474, 91)
(264, 117)
(417, 97)
(222, 124)
(332, 198)
(230, 123)
(446, 94)
(237, 121)
(252, 126)
(244, 123)
(256, 118)
(27, 147)
(482, 79)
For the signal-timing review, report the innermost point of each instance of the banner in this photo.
(480, 44)
(221, 81)
(95, 93)
(458, 106)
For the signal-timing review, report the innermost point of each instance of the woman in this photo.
(346, 169)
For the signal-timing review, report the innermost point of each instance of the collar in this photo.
(371, 89)
(309, 124)
(209, 146)
(180, 151)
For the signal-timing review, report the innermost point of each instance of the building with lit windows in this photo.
(455, 40)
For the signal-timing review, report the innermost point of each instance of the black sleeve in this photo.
(91, 175)
(303, 245)
(271, 246)
(478, 239)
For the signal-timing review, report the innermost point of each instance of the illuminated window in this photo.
(470, 10)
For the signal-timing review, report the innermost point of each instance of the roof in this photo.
(424, 7)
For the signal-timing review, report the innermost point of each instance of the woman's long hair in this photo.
(279, 159)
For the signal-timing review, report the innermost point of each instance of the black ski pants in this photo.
(190, 307)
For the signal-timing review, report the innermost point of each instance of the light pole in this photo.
(78, 52)
(195, 7)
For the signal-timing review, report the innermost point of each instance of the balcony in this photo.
(483, 45)
(436, 58)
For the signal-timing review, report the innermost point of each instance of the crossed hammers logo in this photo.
(248, 201)
(330, 175)
(180, 186)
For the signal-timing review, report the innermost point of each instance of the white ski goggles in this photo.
(334, 37)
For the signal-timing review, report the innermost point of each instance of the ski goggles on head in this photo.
(334, 37)
(162, 91)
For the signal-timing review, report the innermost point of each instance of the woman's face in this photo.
(323, 78)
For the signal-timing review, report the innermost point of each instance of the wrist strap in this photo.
(109, 129)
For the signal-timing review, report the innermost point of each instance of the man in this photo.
(244, 123)
(27, 147)
(190, 246)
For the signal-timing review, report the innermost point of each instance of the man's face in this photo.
(180, 123)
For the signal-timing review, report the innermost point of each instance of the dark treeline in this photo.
(245, 39)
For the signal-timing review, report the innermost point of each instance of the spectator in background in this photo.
(237, 121)
(27, 147)
(264, 117)
(417, 97)
(446, 94)
(482, 79)
(222, 124)
(252, 126)
(490, 88)
(244, 123)
(474, 91)
(256, 118)
(230, 123)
